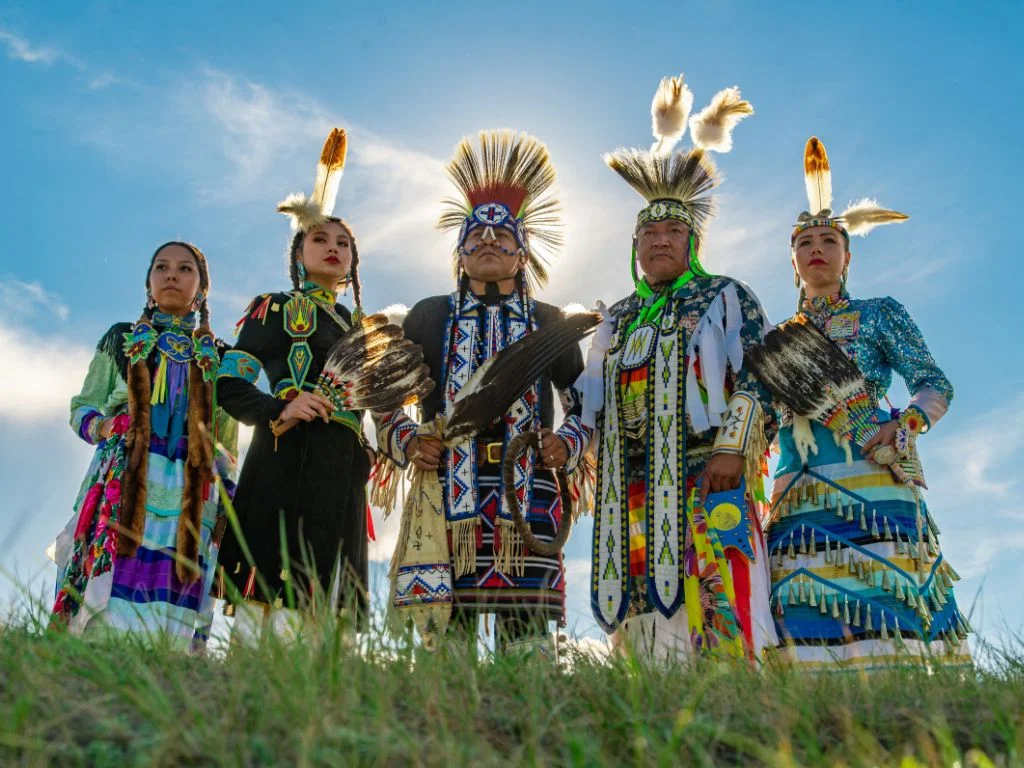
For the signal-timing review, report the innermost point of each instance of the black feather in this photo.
(503, 378)
(802, 367)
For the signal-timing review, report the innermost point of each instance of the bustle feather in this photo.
(501, 379)
(864, 215)
(817, 176)
(683, 176)
(712, 127)
(670, 109)
(309, 211)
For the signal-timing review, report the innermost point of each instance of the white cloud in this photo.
(41, 373)
(17, 298)
(983, 460)
(103, 80)
(270, 140)
(20, 49)
(975, 488)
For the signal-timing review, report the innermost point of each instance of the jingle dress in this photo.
(849, 581)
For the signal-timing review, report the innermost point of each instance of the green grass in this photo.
(67, 701)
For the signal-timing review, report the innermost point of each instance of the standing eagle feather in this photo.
(817, 176)
(308, 212)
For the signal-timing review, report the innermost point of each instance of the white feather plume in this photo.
(669, 111)
(304, 212)
(711, 128)
(864, 215)
(309, 211)
(396, 313)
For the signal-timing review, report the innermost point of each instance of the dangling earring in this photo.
(150, 301)
(300, 269)
(197, 303)
(846, 277)
(796, 279)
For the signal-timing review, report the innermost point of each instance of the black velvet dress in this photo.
(311, 480)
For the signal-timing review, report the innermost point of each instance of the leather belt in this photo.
(489, 453)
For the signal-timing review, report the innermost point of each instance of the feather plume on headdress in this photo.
(711, 128)
(676, 182)
(670, 109)
(864, 215)
(685, 177)
(858, 219)
(308, 212)
(513, 169)
(817, 177)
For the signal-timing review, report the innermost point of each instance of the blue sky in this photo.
(128, 124)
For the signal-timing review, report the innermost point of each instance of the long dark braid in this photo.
(295, 256)
(199, 463)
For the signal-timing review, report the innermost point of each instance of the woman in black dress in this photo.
(301, 502)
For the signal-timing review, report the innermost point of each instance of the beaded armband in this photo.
(734, 434)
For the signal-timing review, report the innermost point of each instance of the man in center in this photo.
(678, 417)
(508, 226)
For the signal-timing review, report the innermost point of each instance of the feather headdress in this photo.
(308, 212)
(505, 179)
(676, 184)
(858, 219)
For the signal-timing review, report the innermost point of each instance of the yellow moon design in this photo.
(725, 517)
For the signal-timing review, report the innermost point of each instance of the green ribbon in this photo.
(652, 312)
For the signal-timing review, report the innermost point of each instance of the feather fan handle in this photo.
(817, 176)
(864, 215)
(329, 171)
(712, 127)
(670, 109)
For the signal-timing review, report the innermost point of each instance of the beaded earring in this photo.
(150, 301)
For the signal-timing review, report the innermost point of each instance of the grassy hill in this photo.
(66, 701)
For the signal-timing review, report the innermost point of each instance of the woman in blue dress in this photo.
(857, 572)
